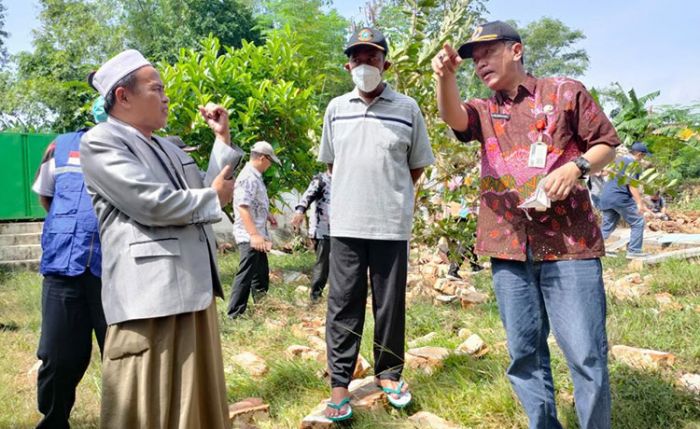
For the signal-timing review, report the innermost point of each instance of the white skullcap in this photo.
(104, 79)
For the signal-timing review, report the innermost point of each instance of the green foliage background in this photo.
(269, 91)
(275, 64)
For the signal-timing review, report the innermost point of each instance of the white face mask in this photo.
(367, 78)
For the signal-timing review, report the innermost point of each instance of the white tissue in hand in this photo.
(538, 200)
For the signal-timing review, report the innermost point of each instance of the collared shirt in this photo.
(373, 148)
(571, 123)
(45, 179)
(250, 191)
(319, 193)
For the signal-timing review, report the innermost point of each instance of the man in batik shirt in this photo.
(545, 260)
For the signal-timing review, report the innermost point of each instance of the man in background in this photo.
(318, 192)
(71, 308)
(620, 199)
(252, 213)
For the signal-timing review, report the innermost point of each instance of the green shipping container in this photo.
(20, 156)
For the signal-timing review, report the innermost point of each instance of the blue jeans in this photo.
(569, 296)
(630, 213)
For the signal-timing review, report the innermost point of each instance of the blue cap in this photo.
(639, 147)
(98, 110)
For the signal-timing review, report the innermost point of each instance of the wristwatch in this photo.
(584, 165)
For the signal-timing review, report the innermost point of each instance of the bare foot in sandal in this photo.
(391, 384)
(396, 391)
(338, 396)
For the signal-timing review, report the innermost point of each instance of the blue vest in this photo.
(70, 241)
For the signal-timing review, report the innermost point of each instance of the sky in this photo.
(647, 45)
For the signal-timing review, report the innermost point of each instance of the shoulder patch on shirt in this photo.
(74, 157)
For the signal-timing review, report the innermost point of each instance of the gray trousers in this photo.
(350, 260)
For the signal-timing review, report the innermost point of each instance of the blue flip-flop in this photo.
(338, 407)
(404, 397)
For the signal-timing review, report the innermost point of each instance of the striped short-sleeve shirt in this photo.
(373, 148)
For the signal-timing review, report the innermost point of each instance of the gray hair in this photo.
(510, 43)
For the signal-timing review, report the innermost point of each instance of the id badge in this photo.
(538, 155)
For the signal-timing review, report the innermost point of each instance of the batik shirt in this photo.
(564, 115)
(250, 191)
(318, 192)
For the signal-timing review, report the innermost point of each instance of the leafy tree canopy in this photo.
(160, 28)
(550, 48)
(3, 36)
(269, 92)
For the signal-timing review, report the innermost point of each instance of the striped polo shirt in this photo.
(373, 147)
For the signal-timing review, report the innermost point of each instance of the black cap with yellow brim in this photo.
(366, 36)
(489, 32)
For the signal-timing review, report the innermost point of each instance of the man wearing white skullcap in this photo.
(162, 359)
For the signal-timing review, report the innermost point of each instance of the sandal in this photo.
(338, 407)
(404, 397)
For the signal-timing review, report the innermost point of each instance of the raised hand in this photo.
(446, 62)
(217, 119)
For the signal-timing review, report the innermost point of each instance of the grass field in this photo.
(471, 392)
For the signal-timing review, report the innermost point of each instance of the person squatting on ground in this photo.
(319, 193)
(376, 146)
(656, 204)
(71, 263)
(162, 365)
(252, 213)
(546, 264)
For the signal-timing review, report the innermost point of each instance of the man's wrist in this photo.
(223, 138)
(583, 165)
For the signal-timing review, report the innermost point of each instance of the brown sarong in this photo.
(165, 372)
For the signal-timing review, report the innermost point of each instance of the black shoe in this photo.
(454, 276)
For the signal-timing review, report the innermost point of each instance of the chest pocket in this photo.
(395, 138)
(192, 174)
(188, 169)
(67, 196)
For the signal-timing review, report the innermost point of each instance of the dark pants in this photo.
(464, 250)
(388, 264)
(319, 275)
(71, 309)
(253, 272)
